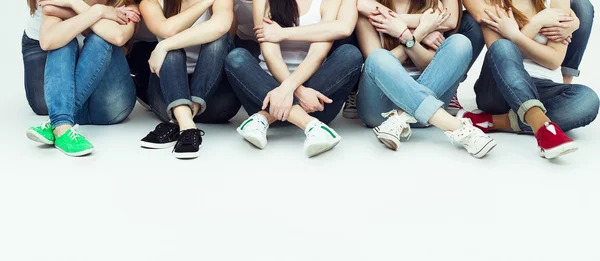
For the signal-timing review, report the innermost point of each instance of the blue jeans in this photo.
(206, 86)
(385, 84)
(471, 29)
(34, 61)
(335, 79)
(585, 12)
(138, 57)
(88, 87)
(504, 86)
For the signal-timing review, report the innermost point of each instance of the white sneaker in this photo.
(254, 130)
(319, 138)
(473, 139)
(396, 126)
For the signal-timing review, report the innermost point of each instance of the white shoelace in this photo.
(44, 124)
(402, 128)
(75, 133)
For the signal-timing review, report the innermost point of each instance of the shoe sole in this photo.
(485, 150)
(386, 139)
(320, 148)
(34, 136)
(558, 151)
(145, 105)
(187, 155)
(350, 115)
(150, 145)
(77, 154)
(256, 141)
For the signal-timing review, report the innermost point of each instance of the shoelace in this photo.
(44, 125)
(189, 137)
(402, 127)
(75, 133)
(351, 101)
(261, 125)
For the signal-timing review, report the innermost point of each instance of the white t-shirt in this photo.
(191, 52)
(245, 21)
(294, 52)
(537, 71)
(33, 25)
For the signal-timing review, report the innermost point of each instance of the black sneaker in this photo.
(163, 136)
(188, 145)
(350, 111)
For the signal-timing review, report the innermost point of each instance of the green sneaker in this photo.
(42, 133)
(73, 143)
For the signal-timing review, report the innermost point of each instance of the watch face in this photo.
(410, 43)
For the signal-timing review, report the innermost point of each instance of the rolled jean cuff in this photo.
(426, 110)
(570, 71)
(514, 121)
(178, 103)
(202, 102)
(61, 122)
(526, 106)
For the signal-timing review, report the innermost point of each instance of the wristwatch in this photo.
(410, 43)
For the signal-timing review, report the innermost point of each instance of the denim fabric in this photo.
(88, 87)
(385, 84)
(504, 86)
(178, 88)
(137, 58)
(585, 12)
(471, 29)
(335, 79)
(34, 61)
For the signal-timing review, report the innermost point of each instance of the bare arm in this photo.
(325, 31)
(56, 33)
(108, 30)
(60, 12)
(211, 30)
(270, 51)
(164, 27)
(318, 51)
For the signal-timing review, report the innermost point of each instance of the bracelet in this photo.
(400, 37)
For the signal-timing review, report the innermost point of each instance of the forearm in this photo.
(543, 55)
(419, 55)
(313, 61)
(411, 20)
(60, 34)
(182, 21)
(108, 30)
(400, 53)
(531, 29)
(274, 60)
(477, 9)
(321, 32)
(206, 32)
(60, 12)
(366, 7)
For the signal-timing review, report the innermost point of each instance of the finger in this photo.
(286, 113)
(551, 34)
(442, 37)
(566, 19)
(438, 43)
(258, 27)
(260, 36)
(259, 31)
(377, 24)
(490, 23)
(550, 29)
(386, 15)
(324, 98)
(445, 18)
(266, 101)
(495, 29)
(493, 16)
(565, 42)
(393, 14)
(429, 11)
(511, 15)
(569, 39)
(267, 20)
(499, 12)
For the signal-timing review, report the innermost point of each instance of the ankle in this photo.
(61, 129)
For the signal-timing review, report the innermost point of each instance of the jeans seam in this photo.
(342, 78)
(95, 75)
(243, 85)
(503, 81)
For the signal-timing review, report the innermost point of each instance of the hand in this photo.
(434, 40)
(311, 100)
(111, 13)
(552, 17)
(157, 58)
(432, 20)
(280, 101)
(560, 33)
(504, 24)
(269, 31)
(59, 3)
(389, 23)
(131, 14)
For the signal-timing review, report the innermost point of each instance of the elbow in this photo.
(223, 29)
(119, 39)
(46, 44)
(345, 31)
(168, 32)
(49, 10)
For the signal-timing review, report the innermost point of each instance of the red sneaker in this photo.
(481, 120)
(454, 106)
(553, 142)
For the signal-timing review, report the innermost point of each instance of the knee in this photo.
(584, 10)
(379, 60)
(72, 46)
(223, 43)
(350, 53)
(590, 105)
(95, 40)
(460, 45)
(503, 48)
(175, 57)
(237, 58)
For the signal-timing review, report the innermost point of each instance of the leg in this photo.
(222, 106)
(138, 65)
(471, 29)
(174, 85)
(59, 84)
(209, 71)
(585, 12)
(371, 102)
(569, 106)
(156, 99)
(250, 82)
(114, 98)
(34, 61)
(336, 78)
(515, 84)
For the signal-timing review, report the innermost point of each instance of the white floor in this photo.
(361, 201)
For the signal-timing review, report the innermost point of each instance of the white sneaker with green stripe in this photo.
(319, 138)
(254, 130)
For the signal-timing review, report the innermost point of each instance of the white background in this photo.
(361, 201)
